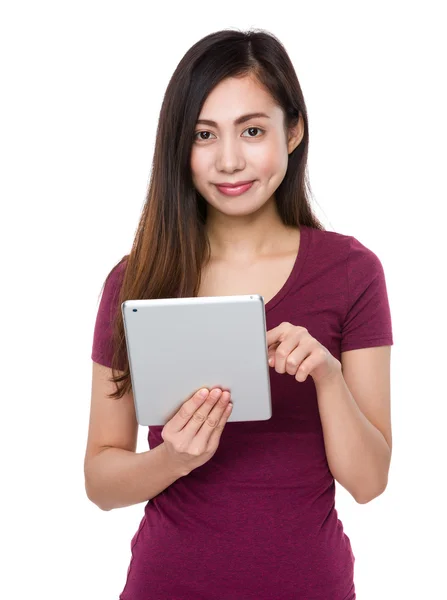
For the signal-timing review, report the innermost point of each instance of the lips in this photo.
(234, 185)
(234, 190)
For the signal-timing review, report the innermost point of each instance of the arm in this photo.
(115, 477)
(354, 409)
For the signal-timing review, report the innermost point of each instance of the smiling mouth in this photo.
(234, 190)
(234, 185)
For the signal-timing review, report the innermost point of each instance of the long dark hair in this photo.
(170, 246)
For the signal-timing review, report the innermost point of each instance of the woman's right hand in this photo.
(192, 436)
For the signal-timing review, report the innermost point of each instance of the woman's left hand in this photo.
(292, 350)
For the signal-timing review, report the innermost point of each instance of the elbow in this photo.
(364, 499)
(96, 501)
(363, 496)
(94, 497)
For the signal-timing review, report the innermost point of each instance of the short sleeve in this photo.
(368, 319)
(102, 350)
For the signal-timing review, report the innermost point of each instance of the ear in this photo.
(295, 135)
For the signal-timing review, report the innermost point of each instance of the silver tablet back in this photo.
(178, 345)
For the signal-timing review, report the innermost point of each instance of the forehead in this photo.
(235, 96)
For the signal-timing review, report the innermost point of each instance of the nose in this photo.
(229, 156)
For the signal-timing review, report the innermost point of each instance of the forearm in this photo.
(115, 478)
(357, 453)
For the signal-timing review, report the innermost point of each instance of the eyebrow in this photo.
(238, 121)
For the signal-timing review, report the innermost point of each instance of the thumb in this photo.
(271, 351)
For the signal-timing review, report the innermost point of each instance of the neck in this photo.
(249, 237)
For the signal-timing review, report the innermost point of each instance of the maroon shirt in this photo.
(258, 520)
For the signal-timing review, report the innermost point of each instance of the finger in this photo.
(272, 335)
(217, 431)
(295, 359)
(282, 352)
(208, 414)
(213, 421)
(271, 355)
(275, 335)
(304, 369)
(187, 409)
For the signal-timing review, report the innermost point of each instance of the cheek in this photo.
(273, 162)
(195, 164)
(198, 170)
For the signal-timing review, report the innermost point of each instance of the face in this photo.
(254, 150)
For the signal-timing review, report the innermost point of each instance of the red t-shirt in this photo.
(258, 520)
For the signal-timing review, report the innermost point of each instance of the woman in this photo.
(252, 515)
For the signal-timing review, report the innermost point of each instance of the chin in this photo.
(240, 209)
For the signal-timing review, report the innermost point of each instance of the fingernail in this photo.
(203, 393)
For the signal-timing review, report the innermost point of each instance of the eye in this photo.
(204, 140)
(251, 128)
(199, 133)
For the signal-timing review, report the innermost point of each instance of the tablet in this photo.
(176, 346)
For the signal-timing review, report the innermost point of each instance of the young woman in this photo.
(246, 509)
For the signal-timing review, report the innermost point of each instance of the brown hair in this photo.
(170, 245)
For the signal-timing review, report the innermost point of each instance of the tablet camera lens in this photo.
(134, 309)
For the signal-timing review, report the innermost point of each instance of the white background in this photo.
(82, 85)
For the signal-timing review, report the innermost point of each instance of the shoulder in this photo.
(345, 246)
(362, 262)
(328, 244)
(111, 288)
(118, 270)
(115, 276)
